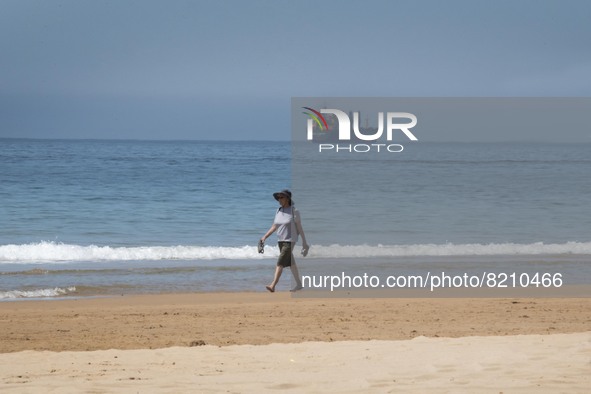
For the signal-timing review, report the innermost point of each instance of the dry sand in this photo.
(381, 345)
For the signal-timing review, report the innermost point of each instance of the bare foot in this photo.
(297, 288)
(272, 290)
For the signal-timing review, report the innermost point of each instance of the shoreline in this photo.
(253, 318)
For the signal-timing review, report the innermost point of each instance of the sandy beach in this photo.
(247, 342)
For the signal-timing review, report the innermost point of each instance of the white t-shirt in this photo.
(286, 224)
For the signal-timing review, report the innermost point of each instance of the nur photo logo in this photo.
(337, 127)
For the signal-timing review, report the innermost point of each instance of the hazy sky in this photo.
(217, 69)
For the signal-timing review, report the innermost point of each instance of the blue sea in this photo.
(84, 218)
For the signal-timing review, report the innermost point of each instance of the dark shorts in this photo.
(285, 254)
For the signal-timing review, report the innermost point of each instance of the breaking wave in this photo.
(38, 293)
(48, 252)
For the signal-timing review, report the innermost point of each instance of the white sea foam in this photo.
(59, 252)
(39, 293)
(48, 252)
(449, 249)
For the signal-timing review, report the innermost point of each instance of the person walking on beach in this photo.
(288, 225)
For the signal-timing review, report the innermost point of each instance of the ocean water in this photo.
(93, 218)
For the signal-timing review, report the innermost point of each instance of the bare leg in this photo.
(296, 275)
(278, 271)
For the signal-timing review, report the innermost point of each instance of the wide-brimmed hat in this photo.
(284, 192)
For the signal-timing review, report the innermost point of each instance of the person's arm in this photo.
(300, 230)
(271, 231)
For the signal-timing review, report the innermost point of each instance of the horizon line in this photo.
(267, 140)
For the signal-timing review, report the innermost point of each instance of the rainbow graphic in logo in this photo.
(317, 117)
